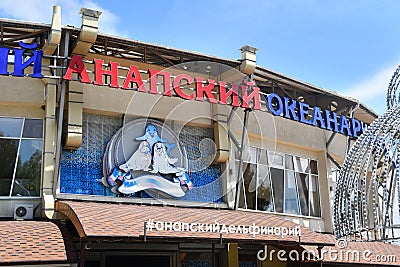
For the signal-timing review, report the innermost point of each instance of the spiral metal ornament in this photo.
(393, 99)
(367, 194)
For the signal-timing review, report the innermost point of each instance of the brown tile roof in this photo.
(68, 236)
(347, 252)
(116, 220)
(31, 242)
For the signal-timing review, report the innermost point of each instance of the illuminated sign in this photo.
(23, 58)
(211, 90)
(325, 119)
(216, 227)
(245, 95)
(248, 91)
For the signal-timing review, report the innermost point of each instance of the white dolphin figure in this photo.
(140, 160)
(162, 163)
(151, 136)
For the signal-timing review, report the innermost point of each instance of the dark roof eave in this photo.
(32, 263)
(24, 24)
(150, 238)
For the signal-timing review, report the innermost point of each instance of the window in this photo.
(279, 182)
(21, 145)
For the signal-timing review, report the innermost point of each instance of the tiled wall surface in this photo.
(82, 170)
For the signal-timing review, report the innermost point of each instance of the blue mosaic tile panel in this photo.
(82, 170)
(204, 176)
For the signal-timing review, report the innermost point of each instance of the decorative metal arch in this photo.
(367, 194)
(392, 100)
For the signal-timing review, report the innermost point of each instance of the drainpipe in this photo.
(239, 180)
(221, 138)
(89, 31)
(220, 115)
(61, 115)
(74, 99)
(54, 37)
(49, 148)
(247, 66)
(49, 48)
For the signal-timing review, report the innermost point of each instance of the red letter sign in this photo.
(80, 69)
(153, 81)
(135, 78)
(205, 89)
(99, 72)
(223, 95)
(177, 85)
(255, 95)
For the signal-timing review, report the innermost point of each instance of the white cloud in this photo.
(108, 21)
(27, 10)
(373, 86)
(41, 11)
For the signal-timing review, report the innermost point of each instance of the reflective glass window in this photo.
(274, 181)
(275, 159)
(27, 177)
(315, 209)
(300, 164)
(302, 187)
(8, 157)
(250, 155)
(33, 128)
(20, 157)
(277, 178)
(314, 167)
(291, 200)
(10, 127)
(289, 162)
(264, 190)
(250, 180)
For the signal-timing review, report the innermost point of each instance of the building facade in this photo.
(119, 152)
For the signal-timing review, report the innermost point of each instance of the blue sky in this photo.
(348, 46)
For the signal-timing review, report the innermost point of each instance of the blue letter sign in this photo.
(21, 63)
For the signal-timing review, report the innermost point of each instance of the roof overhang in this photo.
(95, 220)
(31, 243)
(373, 253)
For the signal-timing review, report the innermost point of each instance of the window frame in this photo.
(20, 139)
(269, 165)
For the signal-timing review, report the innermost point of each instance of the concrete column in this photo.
(230, 256)
(74, 106)
(220, 116)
